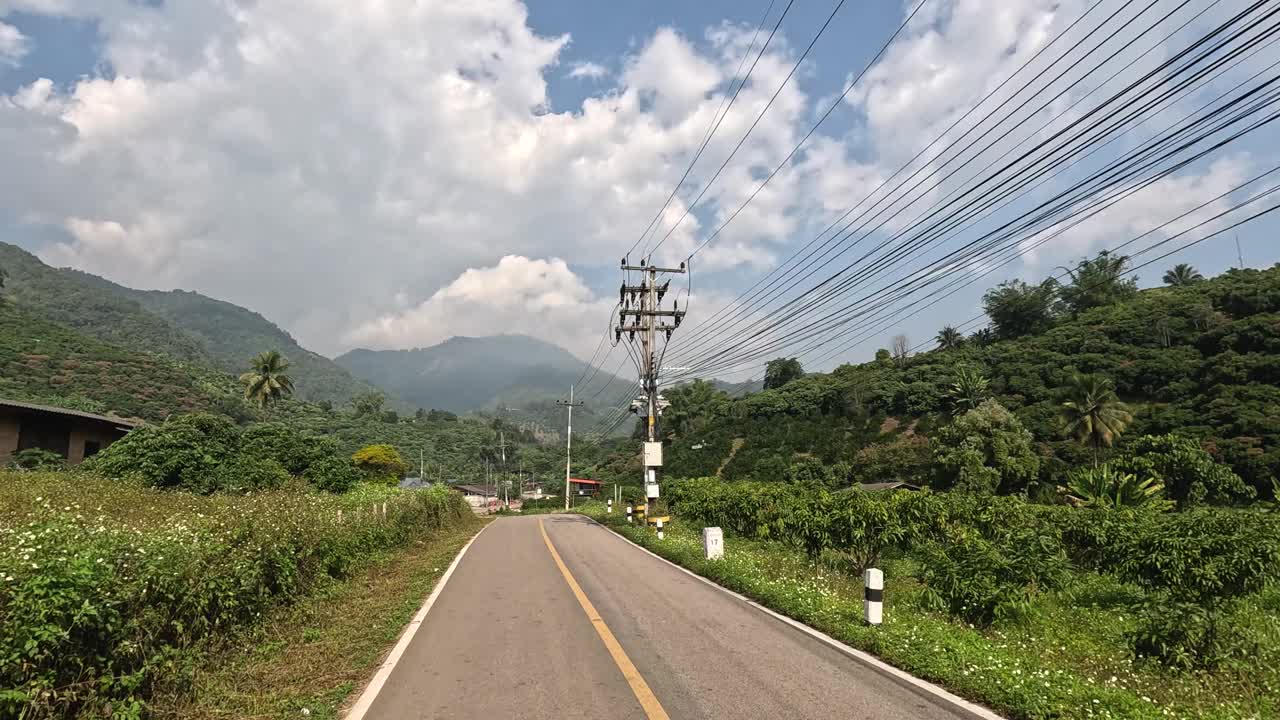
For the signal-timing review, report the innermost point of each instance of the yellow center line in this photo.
(648, 702)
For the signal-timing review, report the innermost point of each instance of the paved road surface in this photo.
(508, 638)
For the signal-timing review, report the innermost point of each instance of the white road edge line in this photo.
(934, 692)
(357, 711)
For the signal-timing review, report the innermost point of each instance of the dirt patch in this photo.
(733, 450)
(889, 425)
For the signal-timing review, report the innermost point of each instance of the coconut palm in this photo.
(1182, 275)
(266, 381)
(1092, 413)
(949, 338)
(969, 390)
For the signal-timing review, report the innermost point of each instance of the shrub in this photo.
(243, 473)
(986, 450)
(38, 459)
(103, 601)
(294, 451)
(381, 463)
(1189, 473)
(982, 580)
(1106, 487)
(333, 473)
(1196, 566)
(180, 453)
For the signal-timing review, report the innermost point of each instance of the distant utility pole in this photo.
(1239, 254)
(643, 304)
(568, 442)
(502, 445)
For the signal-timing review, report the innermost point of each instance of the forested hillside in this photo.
(1200, 358)
(184, 325)
(45, 362)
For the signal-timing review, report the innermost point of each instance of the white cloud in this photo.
(13, 45)
(588, 70)
(362, 173)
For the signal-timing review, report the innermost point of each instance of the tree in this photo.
(1182, 275)
(984, 451)
(781, 371)
(1091, 412)
(1187, 471)
(949, 338)
(694, 405)
(1017, 309)
(369, 403)
(381, 463)
(267, 380)
(969, 390)
(901, 350)
(1097, 283)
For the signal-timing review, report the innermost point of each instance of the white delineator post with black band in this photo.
(873, 605)
(628, 513)
(659, 528)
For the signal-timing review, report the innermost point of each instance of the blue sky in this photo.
(390, 177)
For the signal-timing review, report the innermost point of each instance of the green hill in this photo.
(43, 361)
(1201, 360)
(184, 325)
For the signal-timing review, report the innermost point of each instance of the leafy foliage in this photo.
(1091, 412)
(781, 371)
(37, 459)
(381, 463)
(1188, 472)
(1017, 309)
(1182, 275)
(267, 381)
(110, 588)
(984, 451)
(969, 390)
(1104, 486)
(1097, 282)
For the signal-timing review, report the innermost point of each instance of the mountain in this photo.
(184, 325)
(485, 373)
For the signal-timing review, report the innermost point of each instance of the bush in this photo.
(291, 449)
(986, 450)
(184, 452)
(104, 601)
(333, 473)
(1189, 473)
(380, 463)
(38, 459)
(245, 473)
(981, 580)
(1196, 566)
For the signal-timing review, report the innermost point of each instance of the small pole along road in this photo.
(554, 616)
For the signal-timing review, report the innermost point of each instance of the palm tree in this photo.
(266, 381)
(1092, 413)
(949, 338)
(1182, 275)
(969, 390)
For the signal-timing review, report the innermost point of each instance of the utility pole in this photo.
(502, 445)
(643, 304)
(568, 443)
(1239, 254)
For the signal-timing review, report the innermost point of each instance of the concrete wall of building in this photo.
(8, 437)
(89, 433)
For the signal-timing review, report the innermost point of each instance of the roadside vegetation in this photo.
(111, 592)
(1036, 611)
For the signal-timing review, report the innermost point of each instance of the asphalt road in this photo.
(508, 638)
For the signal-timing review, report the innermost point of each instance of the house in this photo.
(582, 486)
(72, 434)
(895, 485)
(480, 497)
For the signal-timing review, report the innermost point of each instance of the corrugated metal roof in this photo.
(73, 413)
(485, 490)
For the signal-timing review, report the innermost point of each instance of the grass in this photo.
(1066, 658)
(315, 657)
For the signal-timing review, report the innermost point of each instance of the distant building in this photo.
(584, 487)
(895, 485)
(481, 498)
(72, 434)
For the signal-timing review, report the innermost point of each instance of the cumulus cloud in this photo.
(588, 70)
(371, 173)
(13, 45)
